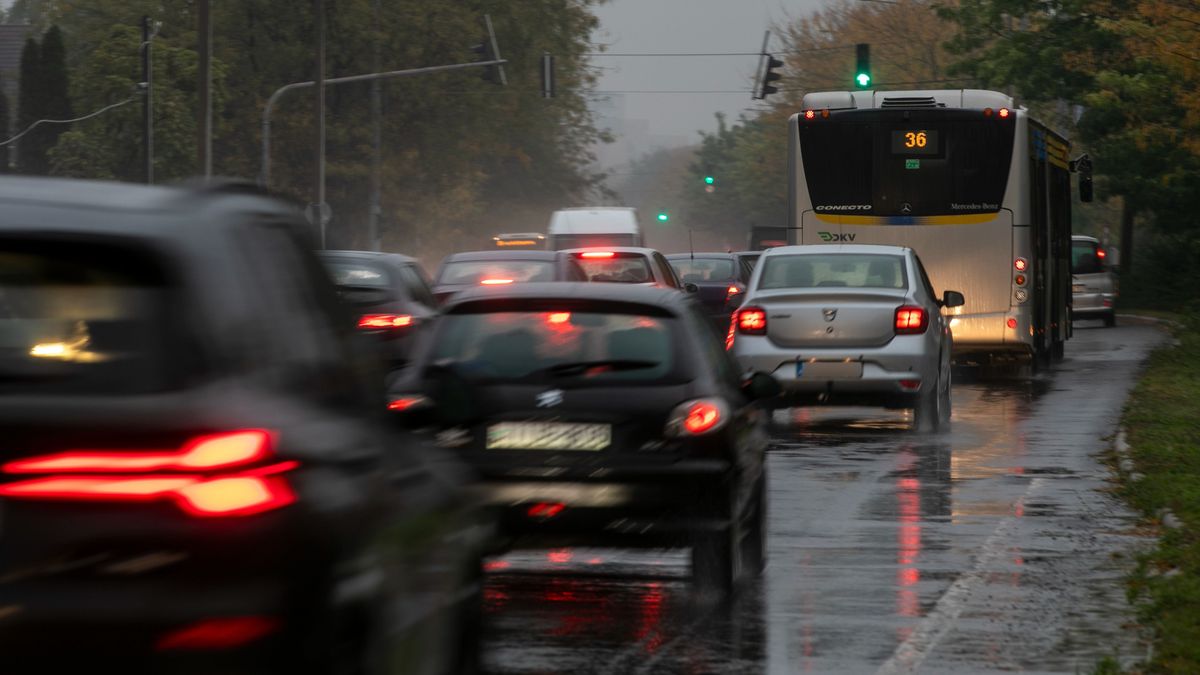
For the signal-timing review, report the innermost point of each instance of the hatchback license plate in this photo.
(548, 436)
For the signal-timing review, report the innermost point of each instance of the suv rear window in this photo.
(832, 271)
(580, 347)
(84, 319)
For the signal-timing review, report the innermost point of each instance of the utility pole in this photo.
(374, 201)
(204, 115)
(148, 101)
(319, 17)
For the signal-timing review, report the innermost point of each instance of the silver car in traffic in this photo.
(848, 325)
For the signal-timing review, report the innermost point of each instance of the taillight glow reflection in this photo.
(224, 633)
(701, 417)
(381, 321)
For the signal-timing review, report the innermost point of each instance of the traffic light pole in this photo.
(265, 176)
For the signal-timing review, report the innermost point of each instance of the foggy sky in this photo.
(686, 26)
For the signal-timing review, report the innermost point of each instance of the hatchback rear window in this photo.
(704, 269)
(357, 273)
(84, 319)
(496, 271)
(579, 346)
(831, 271)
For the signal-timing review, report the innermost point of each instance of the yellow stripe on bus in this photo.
(965, 219)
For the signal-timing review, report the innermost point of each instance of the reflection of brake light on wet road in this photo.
(649, 633)
(908, 499)
(561, 556)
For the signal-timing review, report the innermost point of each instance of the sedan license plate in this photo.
(829, 370)
(548, 436)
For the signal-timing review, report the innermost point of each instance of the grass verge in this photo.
(1162, 422)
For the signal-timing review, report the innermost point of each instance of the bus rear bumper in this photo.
(1002, 334)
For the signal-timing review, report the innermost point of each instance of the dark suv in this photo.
(196, 473)
(600, 413)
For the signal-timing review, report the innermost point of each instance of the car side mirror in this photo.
(760, 385)
(691, 287)
(952, 299)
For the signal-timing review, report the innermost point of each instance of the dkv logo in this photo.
(832, 236)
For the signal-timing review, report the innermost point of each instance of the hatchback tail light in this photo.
(697, 417)
(597, 254)
(210, 476)
(384, 321)
(752, 321)
(734, 289)
(911, 320)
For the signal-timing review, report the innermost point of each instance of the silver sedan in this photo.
(848, 325)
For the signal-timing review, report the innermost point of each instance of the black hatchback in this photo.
(721, 279)
(388, 294)
(599, 413)
(196, 473)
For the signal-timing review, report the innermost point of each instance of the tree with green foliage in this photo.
(31, 157)
(55, 91)
(5, 119)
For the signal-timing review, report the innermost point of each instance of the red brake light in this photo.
(597, 254)
(224, 633)
(1011, 323)
(164, 475)
(558, 318)
(911, 320)
(405, 402)
(732, 291)
(752, 321)
(701, 417)
(377, 321)
(495, 282)
(1100, 253)
(214, 451)
(1020, 264)
(810, 114)
(545, 509)
(1003, 113)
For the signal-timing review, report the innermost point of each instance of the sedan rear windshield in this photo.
(631, 268)
(357, 273)
(85, 319)
(848, 270)
(501, 271)
(704, 269)
(568, 346)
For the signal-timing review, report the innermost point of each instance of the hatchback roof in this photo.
(367, 255)
(615, 249)
(645, 295)
(878, 249)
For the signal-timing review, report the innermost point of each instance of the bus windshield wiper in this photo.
(580, 367)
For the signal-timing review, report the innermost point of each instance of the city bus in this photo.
(978, 188)
(519, 241)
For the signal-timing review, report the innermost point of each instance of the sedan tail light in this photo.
(211, 476)
(384, 321)
(752, 321)
(697, 417)
(911, 320)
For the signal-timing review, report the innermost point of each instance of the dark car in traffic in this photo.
(605, 414)
(460, 271)
(197, 473)
(388, 294)
(719, 279)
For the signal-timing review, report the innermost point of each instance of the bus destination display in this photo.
(915, 142)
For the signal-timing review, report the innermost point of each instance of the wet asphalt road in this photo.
(994, 547)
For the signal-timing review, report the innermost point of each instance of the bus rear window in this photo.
(933, 163)
(84, 319)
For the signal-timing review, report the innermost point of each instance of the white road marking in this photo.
(911, 653)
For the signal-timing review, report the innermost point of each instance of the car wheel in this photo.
(945, 406)
(1110, 319)
(717, 556)
(754, 544)
(926, 414)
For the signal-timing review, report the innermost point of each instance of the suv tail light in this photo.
(697, 417)
(213, 475)
(384, 321)
(911, 320)
(752, 321)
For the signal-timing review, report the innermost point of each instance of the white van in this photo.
(594, 226)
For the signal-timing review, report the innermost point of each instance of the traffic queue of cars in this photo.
(225, 452)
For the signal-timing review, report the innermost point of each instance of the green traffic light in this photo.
(663, 217)
(709, 180)
(863, 79)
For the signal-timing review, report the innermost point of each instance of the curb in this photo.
(1121, 445)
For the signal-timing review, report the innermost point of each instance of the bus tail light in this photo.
(1020, 264)
(1011, 323)
(752, 321)
(1004, 113)
(810, 114)
(1019, 279)
(911, 320)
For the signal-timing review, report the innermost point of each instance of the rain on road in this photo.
(994, 547)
